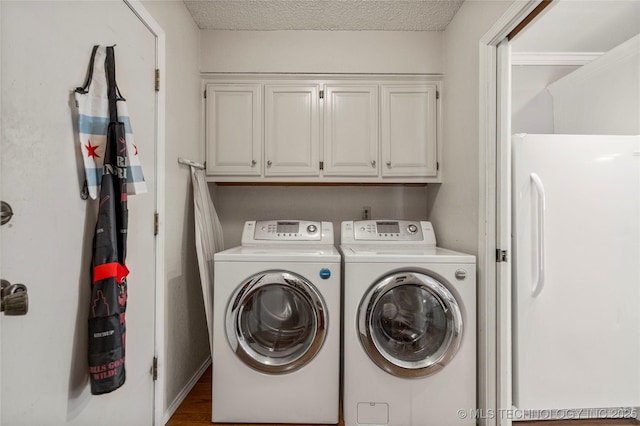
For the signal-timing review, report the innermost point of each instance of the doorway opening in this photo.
(531, 108)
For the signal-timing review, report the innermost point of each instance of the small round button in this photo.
(412, 229)
(325, 273)
(312, 228)
(461, 274)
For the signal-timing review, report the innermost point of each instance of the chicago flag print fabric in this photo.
(93, 119)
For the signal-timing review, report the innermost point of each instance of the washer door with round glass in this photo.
(410, 324)
(276, 322)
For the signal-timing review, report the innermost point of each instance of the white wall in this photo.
(531, 102)
(602, 97)
(322, 51)
(318, 52)
(453, 206)
(186, 337)
(237, 204)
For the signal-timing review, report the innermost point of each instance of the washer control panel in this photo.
(287, 231)
(387, 230)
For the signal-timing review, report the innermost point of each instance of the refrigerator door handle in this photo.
(539, 281)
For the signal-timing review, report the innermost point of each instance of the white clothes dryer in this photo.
(276, 325)
(409, 327)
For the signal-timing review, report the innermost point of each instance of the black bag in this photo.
(107, 326)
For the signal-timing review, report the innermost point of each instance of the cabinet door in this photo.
(351, 130)
(291, 130)
(234, 129)
(409, 134)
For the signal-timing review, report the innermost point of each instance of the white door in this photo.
(351, 130)
(409, 130)
(292, 134)
(234, 129)
(47, 244)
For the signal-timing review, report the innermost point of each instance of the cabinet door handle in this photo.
(269, 163)
(253, 163)
(373, 163)
(389, 164)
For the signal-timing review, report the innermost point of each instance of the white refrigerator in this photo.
(576, 274)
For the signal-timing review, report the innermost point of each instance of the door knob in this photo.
(6, 212)
(14, 299)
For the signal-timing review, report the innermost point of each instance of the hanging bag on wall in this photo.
(107, 327)
(93, 119)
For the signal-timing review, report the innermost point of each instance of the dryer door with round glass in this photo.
(276, 321)
(410, 324)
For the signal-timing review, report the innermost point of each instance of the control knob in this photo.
(412, 229)
(461, 274)
(312, 229)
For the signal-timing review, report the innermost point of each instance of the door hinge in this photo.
(437, 94)
(205, 93)
(322, 165)
(156, 223)
(501, 255)
(322, 94)
(154, 368)
(437, 165)
(157, 80)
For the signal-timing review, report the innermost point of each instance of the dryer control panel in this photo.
(275, 231)
(375, 231)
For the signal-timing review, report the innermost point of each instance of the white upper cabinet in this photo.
(409, 130)
(234, 129)
(351, 130)
(324, 128)
(292, 139)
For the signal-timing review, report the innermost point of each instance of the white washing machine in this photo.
(276, 325)
(409, 327)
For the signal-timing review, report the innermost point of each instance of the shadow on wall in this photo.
(237, 204)
(431, 196)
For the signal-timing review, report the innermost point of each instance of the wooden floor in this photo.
(196, 410)
(196, 407)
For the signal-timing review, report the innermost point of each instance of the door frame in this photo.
(158, 388)
(494, 295)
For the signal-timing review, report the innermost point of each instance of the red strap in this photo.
(109, 270)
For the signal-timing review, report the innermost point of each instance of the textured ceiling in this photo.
(331, 15)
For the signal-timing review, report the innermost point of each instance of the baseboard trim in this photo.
(185, 391)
